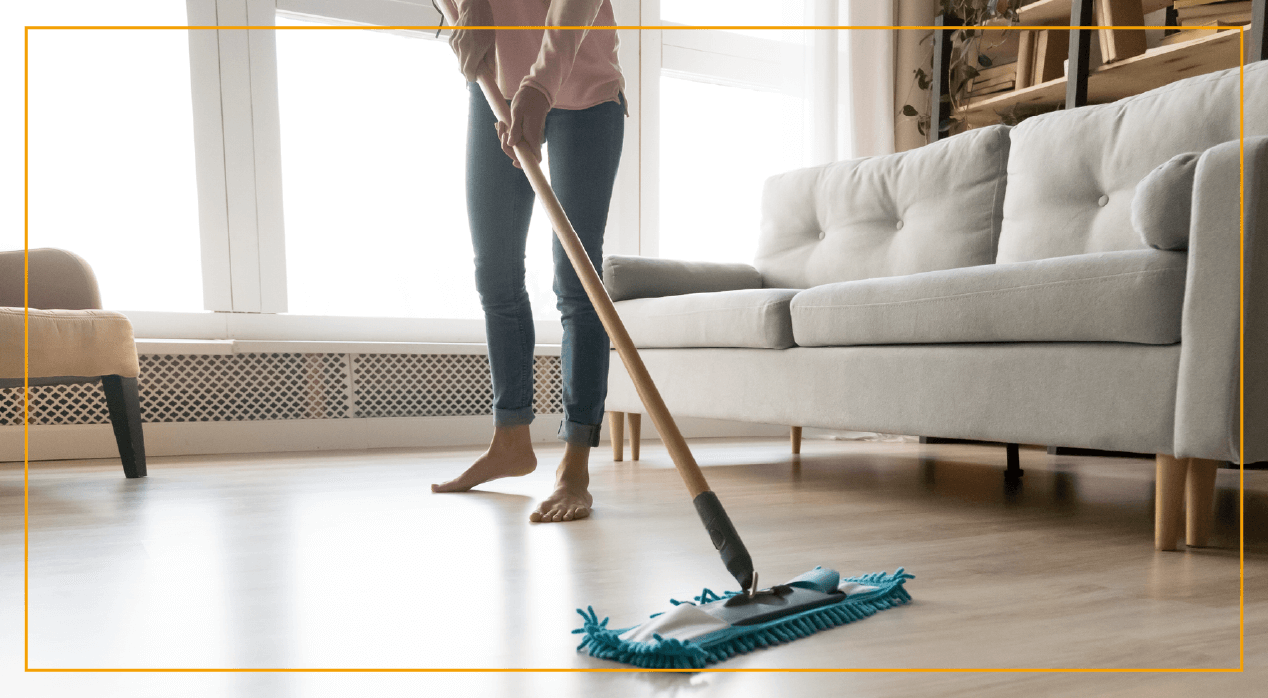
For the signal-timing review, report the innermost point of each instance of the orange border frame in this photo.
(1241, 346)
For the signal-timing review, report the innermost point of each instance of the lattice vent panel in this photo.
(249, 387)
(83, 403)
(243, 387)
(441, 385)
(421, 385)
(548, 385)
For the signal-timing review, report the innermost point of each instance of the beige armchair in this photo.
(71, 340)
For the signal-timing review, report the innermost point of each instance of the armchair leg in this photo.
(1200, 495)
(794, 435)
(123, 400)
(636, 432)
(616, 425)
(1169, 500)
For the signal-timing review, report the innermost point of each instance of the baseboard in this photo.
(76, 441)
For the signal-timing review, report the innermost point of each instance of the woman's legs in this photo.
(585, 149)
(499, 205)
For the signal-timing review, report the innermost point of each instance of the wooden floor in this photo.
(348, 560)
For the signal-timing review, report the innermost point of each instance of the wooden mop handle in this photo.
(678, 451)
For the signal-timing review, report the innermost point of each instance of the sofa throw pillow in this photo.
(1161, 207)
(629, 276)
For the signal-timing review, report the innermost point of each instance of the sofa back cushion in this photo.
(936, 207)
(1072, 174)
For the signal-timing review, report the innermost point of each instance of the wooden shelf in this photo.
(1108, 83)
(1057, 12)
(1045, 12)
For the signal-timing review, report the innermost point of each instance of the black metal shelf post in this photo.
(1258, 32)
(940, 89)
(1081, 15)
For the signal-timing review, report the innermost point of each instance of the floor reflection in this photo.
(349, 560)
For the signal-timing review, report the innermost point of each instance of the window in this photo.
(731, 115)
(373, 127)
(111, 148)
(341, 193)
(718, 145)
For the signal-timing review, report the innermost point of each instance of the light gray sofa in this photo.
(1071, 281)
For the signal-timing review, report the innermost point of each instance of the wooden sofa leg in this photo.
(616, 425)
(123, 401)
(1169, 500)
(1200, 496)
(636, 432)
(794, 435)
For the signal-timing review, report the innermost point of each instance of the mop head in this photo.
(694, 635)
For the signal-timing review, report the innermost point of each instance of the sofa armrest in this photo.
(59, 280)
(1207, 404)
(629, 277)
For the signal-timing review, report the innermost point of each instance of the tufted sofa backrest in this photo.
(936, 207)
(1072, 174)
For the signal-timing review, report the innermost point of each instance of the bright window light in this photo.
(112, 151)
(374, 130)
(736, 12)
(712, 167)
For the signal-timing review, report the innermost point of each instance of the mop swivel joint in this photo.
(726, 539)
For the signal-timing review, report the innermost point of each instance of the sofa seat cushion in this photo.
(68, 343)
(751, 318)
(1132, 296)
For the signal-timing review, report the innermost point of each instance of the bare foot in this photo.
(510, 455)
(571, 499)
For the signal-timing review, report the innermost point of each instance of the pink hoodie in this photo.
(575, 69)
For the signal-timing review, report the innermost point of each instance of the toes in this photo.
(535, 516)
(458, 484)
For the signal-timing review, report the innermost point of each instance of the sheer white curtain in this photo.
(850, 80)
(735, 107)
(868, 74)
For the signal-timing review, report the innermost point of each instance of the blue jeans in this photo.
(585, 149)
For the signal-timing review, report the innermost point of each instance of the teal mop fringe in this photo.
(670, 653)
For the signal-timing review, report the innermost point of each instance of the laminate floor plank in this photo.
(346, 559)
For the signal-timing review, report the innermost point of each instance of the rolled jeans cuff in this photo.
(575, 433)
(513, 418)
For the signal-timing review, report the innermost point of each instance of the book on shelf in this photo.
(1233, 19)
(1181, 5)
(1188, 35)
(994, 80)
(1052, 46)
(992, 91)
(1214, 11)
(1041, 56)
(996, 71)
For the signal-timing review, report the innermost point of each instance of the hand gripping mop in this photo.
(715, 627)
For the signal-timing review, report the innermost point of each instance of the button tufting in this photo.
(1103, 200)
(899, 226)
(822, 235)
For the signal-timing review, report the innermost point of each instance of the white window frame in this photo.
(239, 169)
(237, 147)
(810, 72)
(238, 160)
